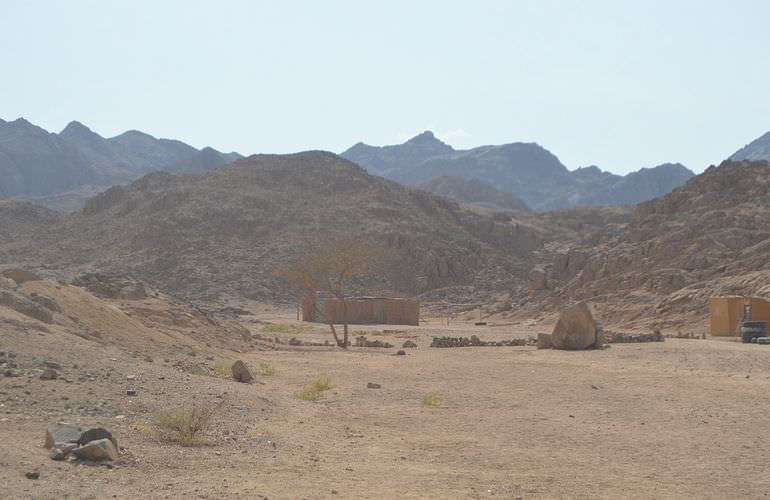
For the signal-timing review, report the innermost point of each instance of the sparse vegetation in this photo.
(373, 333)
(196, 370)
(282, 328)
(431, 399)
(276, 328)
(308, 395)
(224, 367)
(266, 369)
(321, 384)
(185, 426)
(316, 389)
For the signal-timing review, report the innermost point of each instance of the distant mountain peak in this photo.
(758, 149)
(75, 128)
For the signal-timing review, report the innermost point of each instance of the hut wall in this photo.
(725, 312)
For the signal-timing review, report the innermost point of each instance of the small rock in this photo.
(57, 454)
(101, 449)
(51, 364)
(12, 373)
(130, 377)
(62, 432)
(372, 385)
(49, 374)
(401, 353)
(241, 372)
(409, 345)
(131, 392)
(32, 475)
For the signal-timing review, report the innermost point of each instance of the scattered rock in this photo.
(52, 364)
(49, 374)
(362, 341)
(409, 345)
(12, 373)
(101, 449)
(131, 392)
(62, 432)
(57, 454)
(241, 372)
(400, 353)
(576, 329)
(372, 385)
(32, 475)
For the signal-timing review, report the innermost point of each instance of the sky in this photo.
(618, 84)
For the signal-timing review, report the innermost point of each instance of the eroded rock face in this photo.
(576, 329)
(112, 286)
(241, 372)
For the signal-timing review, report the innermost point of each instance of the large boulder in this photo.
(62, 432)
(101, 449)
(576, 329)
(241, 372)
(544, 341)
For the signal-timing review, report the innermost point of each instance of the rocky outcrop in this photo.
(241, 372)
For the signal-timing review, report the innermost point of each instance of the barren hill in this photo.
(226, 232)
(474, 191)
(526, 170)
(708, 237)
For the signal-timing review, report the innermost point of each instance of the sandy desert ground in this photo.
(677, 419)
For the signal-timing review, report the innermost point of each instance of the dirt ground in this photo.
(678, 419)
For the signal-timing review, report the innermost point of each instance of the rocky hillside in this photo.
(474, 191)
(226, 232)
(756, 150)
(708, 237)
(526, 170)
(37, 164)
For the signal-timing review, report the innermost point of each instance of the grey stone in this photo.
(130, 392)
(57, 454)
(101, 449)
(32, 475)
(49, 374)
(372, 385)
(62, 432)
(409, 345)
(400, 353)
(94, 434)
(241, 372)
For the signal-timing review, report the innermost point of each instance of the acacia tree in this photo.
(331, 267)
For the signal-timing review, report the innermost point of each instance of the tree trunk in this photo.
(330, 322)
(345, 323)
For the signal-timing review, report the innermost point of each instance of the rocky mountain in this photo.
(227, 231)
(758, 149)
(474, 191)
(37, 164)
(708, 237)
(526, 170)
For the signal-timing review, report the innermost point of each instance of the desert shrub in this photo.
(431, 399)
(196, 370)
(185, 425)
(224, 367)
(276, 327)
(266, 369)
(321, 384)
(308, 395)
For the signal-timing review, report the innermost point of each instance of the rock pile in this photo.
(620, 338)
(361, 341)
(474, 341)
(71, 440)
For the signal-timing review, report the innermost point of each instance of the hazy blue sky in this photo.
(620, 84)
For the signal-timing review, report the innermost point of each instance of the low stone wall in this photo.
(474, 341)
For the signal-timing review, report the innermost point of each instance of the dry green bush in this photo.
(431, 399)
(224, 367)
(308, 395)
(266, 369)
(321, 384)
(186, 425)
